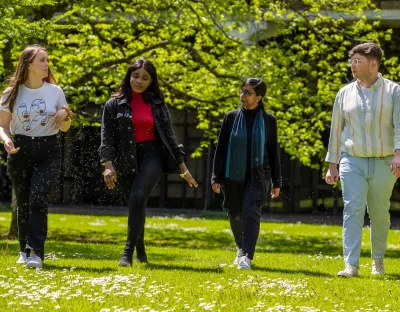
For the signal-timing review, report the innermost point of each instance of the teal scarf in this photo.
(237, 148)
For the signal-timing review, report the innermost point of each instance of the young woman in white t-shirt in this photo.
(33, 109)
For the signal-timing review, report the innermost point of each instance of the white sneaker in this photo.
(349, 271)
(378, 268)
(21, 258)
(34, 261)
(238, 255)
(244, 263)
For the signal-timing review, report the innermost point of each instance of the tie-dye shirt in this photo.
(365, 128)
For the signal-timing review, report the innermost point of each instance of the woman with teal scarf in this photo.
(246, 166)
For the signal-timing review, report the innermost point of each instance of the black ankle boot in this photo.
(125, 261)
(141, 257)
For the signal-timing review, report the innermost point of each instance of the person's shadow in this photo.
(289, 271)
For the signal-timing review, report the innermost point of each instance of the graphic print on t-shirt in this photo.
(38, 111)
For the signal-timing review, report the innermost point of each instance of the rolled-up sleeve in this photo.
(396, 117)
(337, 123)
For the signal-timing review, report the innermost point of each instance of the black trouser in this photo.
(245, 224)
(34, 170)
(137, 189)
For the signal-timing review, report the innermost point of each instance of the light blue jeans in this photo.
(365, 181)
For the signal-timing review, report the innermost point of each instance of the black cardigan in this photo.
(271, 155)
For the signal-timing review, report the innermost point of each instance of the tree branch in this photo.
(197, 57)
(97, 32)
(201, 23)
(192, 97)
(126, 59)
(219, 27)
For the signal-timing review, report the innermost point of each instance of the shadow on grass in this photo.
(288, 271)
(169, 267)
(268, 243)
(394, 277)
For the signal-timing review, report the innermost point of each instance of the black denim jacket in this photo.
(118, 142)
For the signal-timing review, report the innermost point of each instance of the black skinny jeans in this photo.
(34, 170)
(137, 189)
(245, 224)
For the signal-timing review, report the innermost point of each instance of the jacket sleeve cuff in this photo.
(178, 153)
(277, 184)
(332, 158)
(215, 180)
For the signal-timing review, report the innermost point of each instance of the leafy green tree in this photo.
(203, 50)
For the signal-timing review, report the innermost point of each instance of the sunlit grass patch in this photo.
(190, 269)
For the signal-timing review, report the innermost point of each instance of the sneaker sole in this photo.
(345, 275)
(34, 265)
(244, 268)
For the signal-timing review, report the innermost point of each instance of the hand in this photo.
(59, 117)
(332, 175)
(188, 177)
(395, 166)
(110, 176)
(9, 146)
(275, 192)
(216, 188)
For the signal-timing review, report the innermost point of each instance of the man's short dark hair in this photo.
(369, 49)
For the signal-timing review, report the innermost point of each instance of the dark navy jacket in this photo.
(262, 177)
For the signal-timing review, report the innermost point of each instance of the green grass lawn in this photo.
(190, 269)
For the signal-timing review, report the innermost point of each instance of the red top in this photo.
(142, 119)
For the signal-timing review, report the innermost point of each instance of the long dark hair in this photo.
(125, 90)
(21, 74)
(259, 86)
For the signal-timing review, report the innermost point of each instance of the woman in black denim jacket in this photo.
(138, 144)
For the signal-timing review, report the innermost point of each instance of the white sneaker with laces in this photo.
(21, 258)
(378, 268)
(349, 271)
(244, 263)
(34, 261)
(238, 255)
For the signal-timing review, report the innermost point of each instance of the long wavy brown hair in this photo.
(21, 74)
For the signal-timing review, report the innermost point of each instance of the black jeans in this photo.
(137, 189)
(34, 170)
(245, 224)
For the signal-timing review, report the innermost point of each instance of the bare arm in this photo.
(5, 135)
(5, 120)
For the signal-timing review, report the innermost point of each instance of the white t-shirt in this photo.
(33, 110)
(366, 97)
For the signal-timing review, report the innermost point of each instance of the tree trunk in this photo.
(12, 234)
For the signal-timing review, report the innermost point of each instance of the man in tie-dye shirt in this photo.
(365, 141)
